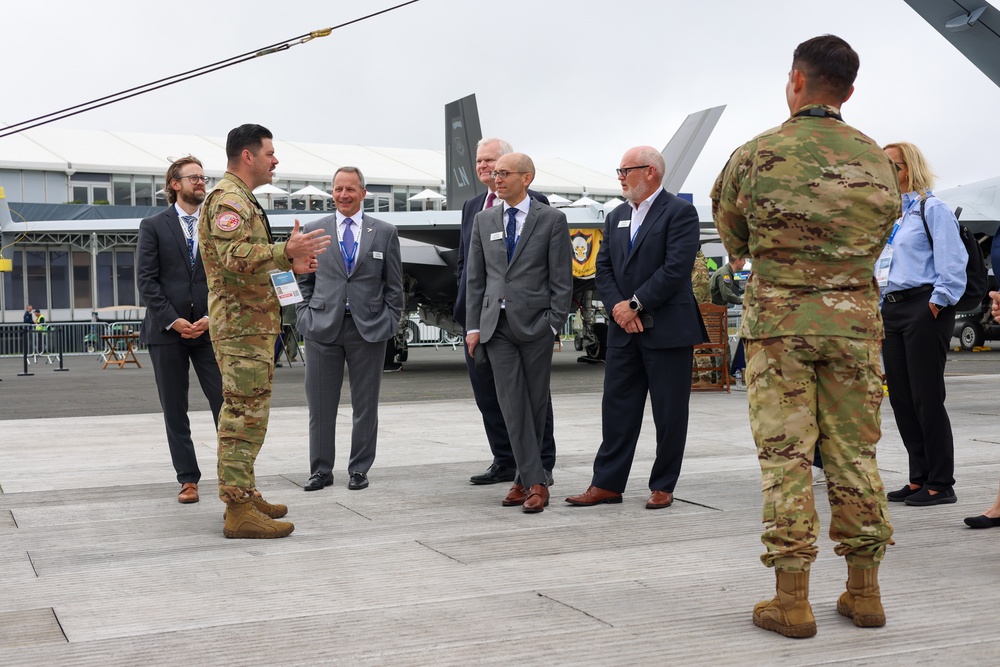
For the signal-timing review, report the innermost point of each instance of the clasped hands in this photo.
(627, 318)
(303, 248)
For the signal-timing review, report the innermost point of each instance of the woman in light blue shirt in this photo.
(921, 280)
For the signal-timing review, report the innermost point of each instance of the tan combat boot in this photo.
(789, 613)
(862, 601)
(244, 520)
(273, 510)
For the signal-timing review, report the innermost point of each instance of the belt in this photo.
(904, 294)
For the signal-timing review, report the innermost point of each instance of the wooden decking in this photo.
(100, 565)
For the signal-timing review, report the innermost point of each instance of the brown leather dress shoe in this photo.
(188, 494)
(595, 496)
(537, 500)
(659, 499)
(515, 496)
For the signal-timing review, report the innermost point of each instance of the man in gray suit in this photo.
(350, 308)
(518, 292)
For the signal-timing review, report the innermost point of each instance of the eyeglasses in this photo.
(623, 172)
(900, 166)
(503, 174)
(194, 179)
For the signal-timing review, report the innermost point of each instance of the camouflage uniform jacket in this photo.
(699, 279)
(725, 291)
(239, 252)
(812, 203)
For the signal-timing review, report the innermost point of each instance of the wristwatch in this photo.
(634, 304)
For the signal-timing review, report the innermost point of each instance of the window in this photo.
(123, 191)
(125, 271)
(59, 276)
(81, 280)
(105, 282)
(13, 283)
(143, 191)
(38, 295)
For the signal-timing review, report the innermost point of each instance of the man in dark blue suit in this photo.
(644, 278)
(502, 469)
(171, 279)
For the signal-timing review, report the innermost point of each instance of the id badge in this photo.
(285, 287)
(882, 266)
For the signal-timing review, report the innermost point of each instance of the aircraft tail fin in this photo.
(684, 147)
(462, 133)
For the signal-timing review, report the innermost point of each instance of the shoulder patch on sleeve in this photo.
(727, 280)
(232, 203)
(228, 221)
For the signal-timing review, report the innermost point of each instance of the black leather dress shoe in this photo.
(318, 481)
(358, 481)
(494, 475)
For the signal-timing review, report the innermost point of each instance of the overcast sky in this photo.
(578, 79)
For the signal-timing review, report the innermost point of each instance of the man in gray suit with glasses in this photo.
(518, 293)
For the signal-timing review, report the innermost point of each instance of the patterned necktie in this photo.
(348, 243)
(189, 221)
(491, 199)
(511, 231)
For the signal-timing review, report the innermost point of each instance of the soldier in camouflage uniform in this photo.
(812, 203)
(725, 292)
(702, 294)
(239, 252)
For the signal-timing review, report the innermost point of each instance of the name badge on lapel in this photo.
(624, 223)
(496, 236)
(376, 254)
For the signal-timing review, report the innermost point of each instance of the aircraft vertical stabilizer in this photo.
(974, 32)
(684, 147)
(462, 132)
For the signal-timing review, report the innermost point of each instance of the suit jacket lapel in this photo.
(365, 243)
(530, 223)
(174, 228)
(652, 218)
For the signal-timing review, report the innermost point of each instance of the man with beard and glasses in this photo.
(172, 283)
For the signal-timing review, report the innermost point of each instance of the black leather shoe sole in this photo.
(316, 483)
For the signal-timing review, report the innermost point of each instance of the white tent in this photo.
(310, 191)
(427, 195)
(269, 189)
(557, 200)
(585, 201)
(612, 204)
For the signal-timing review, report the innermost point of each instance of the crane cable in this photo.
(184, 76)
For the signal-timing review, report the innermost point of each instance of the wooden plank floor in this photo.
(100, 565)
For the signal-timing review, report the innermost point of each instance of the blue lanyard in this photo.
(895, 227)
(349, 259)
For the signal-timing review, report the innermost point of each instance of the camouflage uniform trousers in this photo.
(247, 366)
(805, 390)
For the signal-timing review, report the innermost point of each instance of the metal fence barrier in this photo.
(75, 338)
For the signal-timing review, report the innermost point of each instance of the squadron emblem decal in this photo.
(228, 221)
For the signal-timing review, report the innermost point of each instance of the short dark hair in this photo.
(249, 136)
(829, 64)
(174, 172)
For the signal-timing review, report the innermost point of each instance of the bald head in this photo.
(515, 171)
